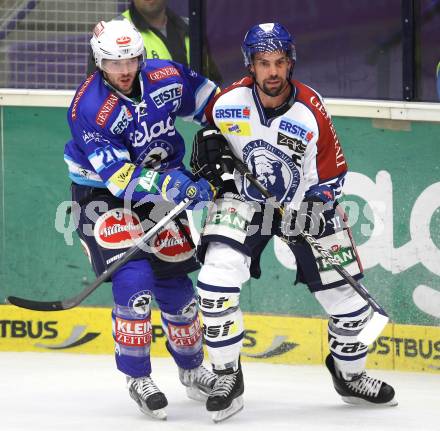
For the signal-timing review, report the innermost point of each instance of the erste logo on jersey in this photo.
(232, 112)
(166, 94)
(296, 129)
(274, 170)
(163, 73)
(122, 120)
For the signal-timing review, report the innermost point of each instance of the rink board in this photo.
(392, 196)
(271, 339)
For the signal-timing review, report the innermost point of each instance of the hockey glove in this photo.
(309, 218)
(211, 156)
(175, 186)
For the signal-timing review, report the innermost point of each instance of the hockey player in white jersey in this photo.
(281, 130)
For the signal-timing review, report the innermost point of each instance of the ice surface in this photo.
(48, 391)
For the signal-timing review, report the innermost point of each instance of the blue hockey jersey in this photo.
(116, 140)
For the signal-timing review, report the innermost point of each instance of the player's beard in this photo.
(274, 91)
(123, 83)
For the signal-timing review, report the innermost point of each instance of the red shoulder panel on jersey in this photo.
(330, 160)
(247, 81)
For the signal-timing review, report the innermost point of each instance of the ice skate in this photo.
(225, 399)
(147, 395)
(363, 390)
(198, 382)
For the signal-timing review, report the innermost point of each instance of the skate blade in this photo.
(235, 407)
(196, 394)
(355, 401)
(159, 414)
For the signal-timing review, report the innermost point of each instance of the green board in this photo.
(392, 197)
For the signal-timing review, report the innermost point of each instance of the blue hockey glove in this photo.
(175, 186)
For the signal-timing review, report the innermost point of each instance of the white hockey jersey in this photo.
(294, 155)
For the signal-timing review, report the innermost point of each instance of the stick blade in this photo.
(373, 328)
(35, 305)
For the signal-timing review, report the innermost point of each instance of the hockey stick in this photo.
(380, 318)
(73, 302)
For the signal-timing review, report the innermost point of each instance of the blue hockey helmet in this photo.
(267, 37)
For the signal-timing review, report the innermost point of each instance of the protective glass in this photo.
(128, 65)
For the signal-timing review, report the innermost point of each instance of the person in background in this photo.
(165, 35)
(125, 164)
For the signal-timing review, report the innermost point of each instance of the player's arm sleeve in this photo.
(111, 161)
(325, 166)
(197, 93)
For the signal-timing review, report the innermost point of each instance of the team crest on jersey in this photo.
(155, 154)
(273, 168)
(296, 129)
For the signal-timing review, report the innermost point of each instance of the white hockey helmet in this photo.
(116, 40)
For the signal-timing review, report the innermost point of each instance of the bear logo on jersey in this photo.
(273, 168)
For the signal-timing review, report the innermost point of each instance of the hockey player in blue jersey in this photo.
(280, 129)
(126, 150)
